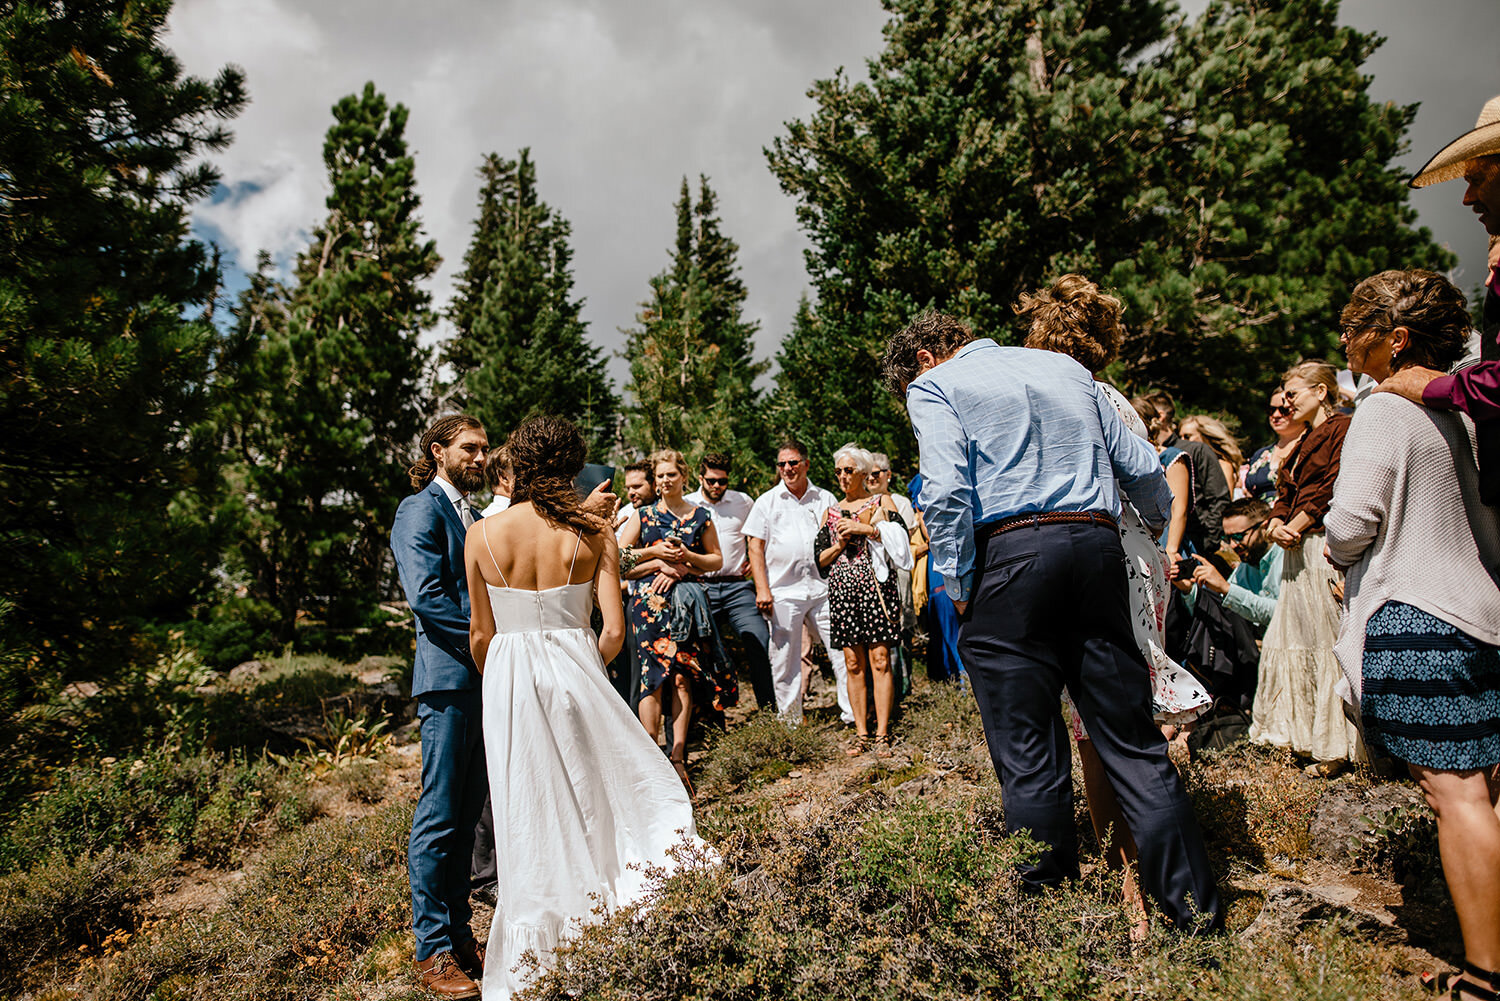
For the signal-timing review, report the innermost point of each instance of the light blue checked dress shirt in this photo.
(1006, 431)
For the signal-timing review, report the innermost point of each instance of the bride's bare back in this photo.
(520, 549)
(527, 552)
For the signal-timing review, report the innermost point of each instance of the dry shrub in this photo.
(864, 899)
(318, 901)
(62, 904)
(1254, 803)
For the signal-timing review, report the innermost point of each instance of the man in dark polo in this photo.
(1019, 456)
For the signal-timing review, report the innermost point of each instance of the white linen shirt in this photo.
(456, 497)
(789, 527)
(729, 516)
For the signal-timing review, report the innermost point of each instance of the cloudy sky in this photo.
(619, 100)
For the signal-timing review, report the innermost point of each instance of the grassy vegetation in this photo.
(857, 878)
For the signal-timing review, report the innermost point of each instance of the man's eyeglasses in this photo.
(1283, 410)
(1240, 536)
(716, 481)
(789, 463)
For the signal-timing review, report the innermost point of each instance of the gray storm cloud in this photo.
(619, 100)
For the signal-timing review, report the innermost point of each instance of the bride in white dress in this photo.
(583, 799)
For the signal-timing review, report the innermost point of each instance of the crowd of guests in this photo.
(1106, 578)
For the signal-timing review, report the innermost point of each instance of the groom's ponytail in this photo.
(442, 432)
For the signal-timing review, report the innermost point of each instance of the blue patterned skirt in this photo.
(1431, 692)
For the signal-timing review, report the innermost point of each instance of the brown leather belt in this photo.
(1047, 518)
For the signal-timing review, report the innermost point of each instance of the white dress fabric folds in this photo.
(1297, 703)
(584, 801)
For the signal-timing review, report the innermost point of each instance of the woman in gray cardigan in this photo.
(1420, 640)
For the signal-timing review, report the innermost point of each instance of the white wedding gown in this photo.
(583, 798)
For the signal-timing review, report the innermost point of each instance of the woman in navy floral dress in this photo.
(670, 542)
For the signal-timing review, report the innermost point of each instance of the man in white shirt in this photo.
(730, 592)
(789, 590)
(499, 476)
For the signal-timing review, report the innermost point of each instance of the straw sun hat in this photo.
(1482, 140)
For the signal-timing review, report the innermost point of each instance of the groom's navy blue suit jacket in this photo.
(428, 540)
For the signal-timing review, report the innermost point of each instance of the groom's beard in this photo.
(466, 479)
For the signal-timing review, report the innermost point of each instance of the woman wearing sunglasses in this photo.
(1296, 702)
(1260, 473)
(864, 604)
(1420, 643)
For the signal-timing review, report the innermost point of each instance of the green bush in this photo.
(204, 804)
(761, 748)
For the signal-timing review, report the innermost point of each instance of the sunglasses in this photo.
(851, 470)
(788, 464)
(880, 472)
(716, 481)
(1240, 536)
(1283, 410)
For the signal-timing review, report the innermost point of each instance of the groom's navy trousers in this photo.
(428, 541)
(1049, 608)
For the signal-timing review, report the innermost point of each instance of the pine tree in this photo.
(1188, 162)
(105, 340)
(691, 356)
(521, 347)
(1269, 194)
(339, 376)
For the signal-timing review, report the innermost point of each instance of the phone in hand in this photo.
(1183, 569)
(590, 476)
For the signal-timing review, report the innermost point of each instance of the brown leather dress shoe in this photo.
(441, 974)
(470, 957)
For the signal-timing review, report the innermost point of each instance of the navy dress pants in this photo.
(733, 602)
(454, 785)
(1049, 608)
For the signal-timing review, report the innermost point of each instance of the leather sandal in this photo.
(862, 744)
(1457, 983)
(883, 745)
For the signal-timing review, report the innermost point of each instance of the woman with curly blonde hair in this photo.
(1074, 317)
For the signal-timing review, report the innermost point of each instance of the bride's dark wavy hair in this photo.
(546, 454)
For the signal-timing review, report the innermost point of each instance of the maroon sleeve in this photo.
(1318, 472)
(1474, 390)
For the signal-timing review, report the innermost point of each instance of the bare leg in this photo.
(681, 716)
(649, 711)
(885, 687)
(1469, 843)
(857, 683)
(1113, 833)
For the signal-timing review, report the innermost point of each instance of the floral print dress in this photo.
(861, 610)
(650, 616)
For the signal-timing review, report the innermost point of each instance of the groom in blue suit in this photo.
(428, 541)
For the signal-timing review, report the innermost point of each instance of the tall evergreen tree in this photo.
(105, 341)
(692, 362)
(521, 347)
(339, 377)
(1187, 161)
